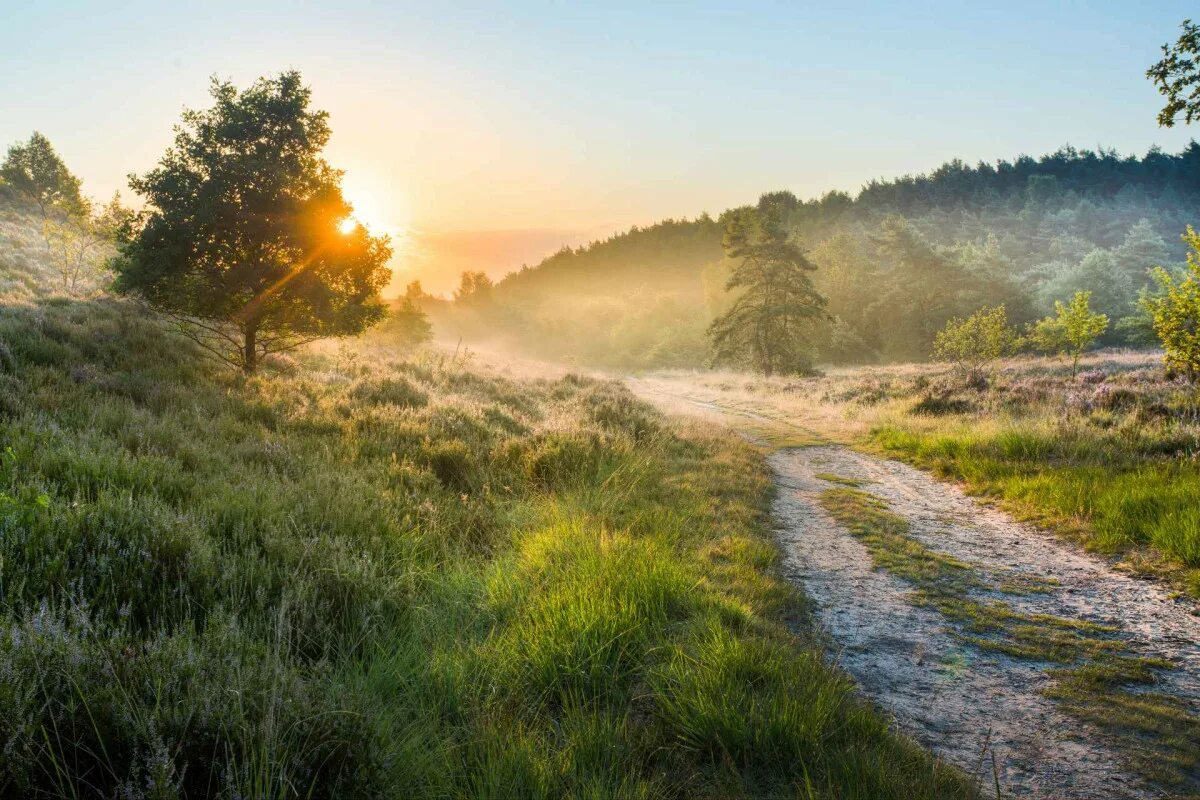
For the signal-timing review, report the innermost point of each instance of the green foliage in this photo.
(1175, 312)
(379, 578)
(1073, 329)
(35, 175)
(1019, 232)
(1177, 77)
(973, 344)
(239, 237)
(921, 290)
(764, 327)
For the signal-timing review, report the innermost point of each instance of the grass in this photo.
(841, 480)
(1110, 457)
(369, 576)
(1098, 675)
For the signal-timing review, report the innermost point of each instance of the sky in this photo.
(484, 136)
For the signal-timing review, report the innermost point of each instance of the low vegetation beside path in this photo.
(362, 576)
(1110, 456)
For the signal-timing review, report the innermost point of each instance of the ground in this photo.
(933, 602)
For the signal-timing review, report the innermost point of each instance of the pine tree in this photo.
(765, 326)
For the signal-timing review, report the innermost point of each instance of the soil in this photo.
(980, 710)
(963, 703)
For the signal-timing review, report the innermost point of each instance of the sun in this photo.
(375, 206)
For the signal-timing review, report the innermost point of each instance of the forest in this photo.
(1023, 233)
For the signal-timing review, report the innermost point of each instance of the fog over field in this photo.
(600, 402)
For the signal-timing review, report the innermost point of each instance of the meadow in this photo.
(1109, 457)
(364, 573)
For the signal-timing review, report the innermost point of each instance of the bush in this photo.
(396, 391)
(973, 344)
(938, 405)
(1176, 313)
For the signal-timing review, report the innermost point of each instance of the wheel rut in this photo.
(988, 712)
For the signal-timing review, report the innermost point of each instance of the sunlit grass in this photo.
(370, 576)
(1111, 458)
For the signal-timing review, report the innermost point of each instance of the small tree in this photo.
(765, 323)
(973, 344)
(240, 240)
(474, 289)
(81, 246)
(1175, 312)
(36, 176)
(1073, 329)
(408, 320)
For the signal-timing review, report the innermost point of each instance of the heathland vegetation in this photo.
(375, 569)
(366, 570)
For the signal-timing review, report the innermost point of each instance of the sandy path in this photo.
(955, 699)
(966, 704)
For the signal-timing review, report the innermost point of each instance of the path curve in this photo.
(961, 702)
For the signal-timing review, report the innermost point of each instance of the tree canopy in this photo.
(239, 237)
(1015, 232)
(1177, 77)
(764, 326)
(34, 174)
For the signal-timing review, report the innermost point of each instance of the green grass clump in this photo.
(1121, 488)
(1098, 675)
(364, 577)
(829, 477)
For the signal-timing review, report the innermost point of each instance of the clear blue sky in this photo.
(568, 120)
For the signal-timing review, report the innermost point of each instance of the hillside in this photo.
(34, 265)
(1024, 233)
(365, 576)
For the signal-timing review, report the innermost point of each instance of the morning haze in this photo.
(607, 401)
(573, 123)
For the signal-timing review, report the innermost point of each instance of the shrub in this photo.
(973, 344)
(1072, 331)
(937, 405)
(395, 391)
(1176, 313)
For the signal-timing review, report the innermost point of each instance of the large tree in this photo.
(241, 240)
(765, 325)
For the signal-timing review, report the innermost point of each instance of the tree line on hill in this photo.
(892, 265)
(242, 242)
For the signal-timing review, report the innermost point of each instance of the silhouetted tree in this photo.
(474, 289)
(239, 238)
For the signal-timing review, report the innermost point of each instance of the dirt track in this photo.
(967, 704)
(956, 699)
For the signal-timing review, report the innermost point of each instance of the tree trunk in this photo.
(250, 348)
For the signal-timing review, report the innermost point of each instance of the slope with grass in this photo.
(367, 576)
